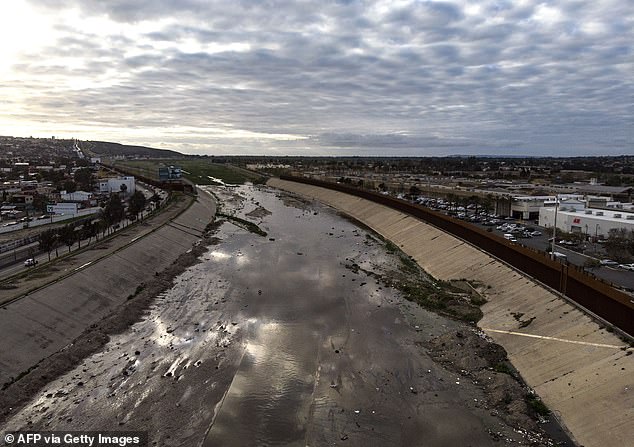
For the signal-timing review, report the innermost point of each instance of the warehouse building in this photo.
(574, 217)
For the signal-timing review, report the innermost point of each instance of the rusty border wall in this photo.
(574, 282)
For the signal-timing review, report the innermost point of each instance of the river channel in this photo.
(275, 341)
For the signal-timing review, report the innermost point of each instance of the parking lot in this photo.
(532, 235)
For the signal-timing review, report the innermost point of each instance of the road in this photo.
(616, 276)
(17, 255)
(16, 265)
(12, 262)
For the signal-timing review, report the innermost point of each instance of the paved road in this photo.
(95, 281)
(618, 277)
(12, 262)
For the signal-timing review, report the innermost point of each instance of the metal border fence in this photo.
(574, 282)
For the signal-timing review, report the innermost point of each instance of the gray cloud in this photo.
(343, 76)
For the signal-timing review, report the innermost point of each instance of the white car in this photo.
(30, 262)
(608, 262)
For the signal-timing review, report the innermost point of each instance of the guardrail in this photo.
(574, 282)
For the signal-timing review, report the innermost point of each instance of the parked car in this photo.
(536, 233)
(629, 267)
(30, 262)
(608, 262)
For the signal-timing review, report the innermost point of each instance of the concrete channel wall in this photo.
(43, 322)
(582, 371)
(593, 294)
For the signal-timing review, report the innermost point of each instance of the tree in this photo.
(68, 236)
(619, 244)
(39, 202)
(113, 211)
(70, 186)
(84, 178)
(136, 203)
(48, 241)
(91, 230)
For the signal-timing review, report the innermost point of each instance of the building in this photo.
(77, 196)
(110, 185)
(168, 173)
(527, 207)
(574, 217)
(63, 208)
(617, 193)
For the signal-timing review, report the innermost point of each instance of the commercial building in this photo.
(115, 184)
(527, 207)
(574, 217)
(77, 196)
(63, 208)
(167, 173)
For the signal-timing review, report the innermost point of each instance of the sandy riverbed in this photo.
(276, 341)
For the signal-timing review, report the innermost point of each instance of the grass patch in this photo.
(477, 299)
(438, 296)
(536, 405)
(197, 171)
(504, 368)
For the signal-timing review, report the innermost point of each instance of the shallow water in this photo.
(274, 341)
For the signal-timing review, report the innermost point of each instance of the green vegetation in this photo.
(504, 368)
(439, 296)
(249, 226)
(535, 404)
(195, 170)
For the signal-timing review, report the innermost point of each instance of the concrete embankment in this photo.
(581, 370)
(44, 321)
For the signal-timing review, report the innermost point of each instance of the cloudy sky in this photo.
(323, 77)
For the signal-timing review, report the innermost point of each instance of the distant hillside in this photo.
(105, 148)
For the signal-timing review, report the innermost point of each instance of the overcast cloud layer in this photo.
(323, 77)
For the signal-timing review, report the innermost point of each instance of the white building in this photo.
(111, 185)
(63, 208)
(77, 196)
(527, 207)
(574, 217)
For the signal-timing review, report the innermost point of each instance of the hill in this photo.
(105, 148)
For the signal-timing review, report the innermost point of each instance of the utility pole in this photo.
(552, 250)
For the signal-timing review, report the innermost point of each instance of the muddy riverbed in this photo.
(277, 340)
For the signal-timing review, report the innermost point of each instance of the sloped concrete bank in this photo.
(43, 322)
(580, 370)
